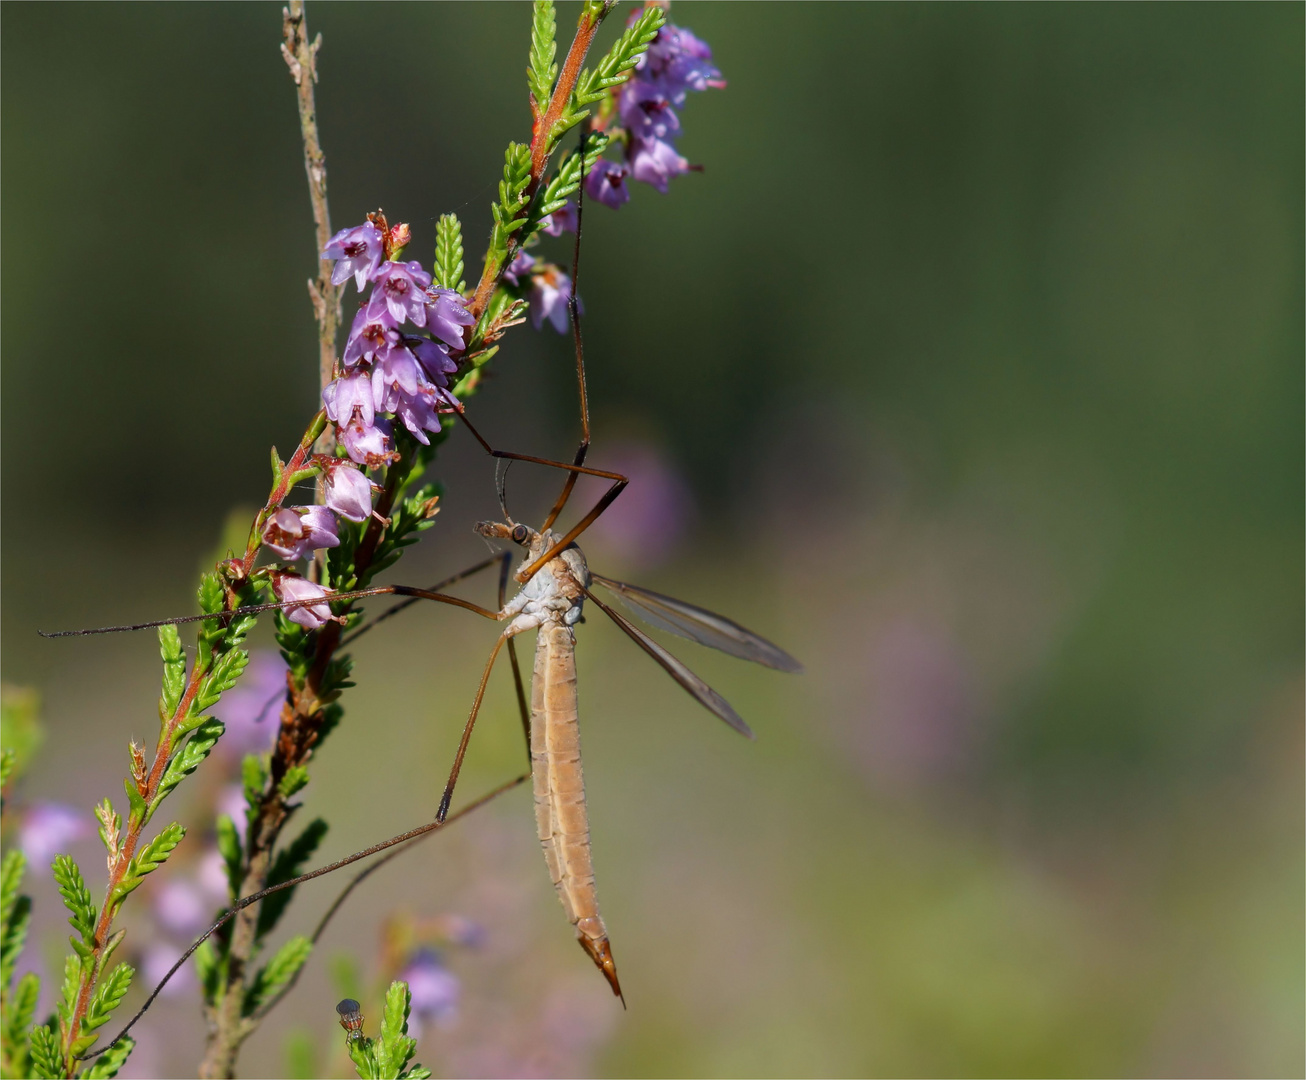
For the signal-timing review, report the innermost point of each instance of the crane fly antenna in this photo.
(501, 485)
(254, 898)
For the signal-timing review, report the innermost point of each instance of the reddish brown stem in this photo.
(540, 151)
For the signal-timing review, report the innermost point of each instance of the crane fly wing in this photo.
(698, 624)
(704, 694)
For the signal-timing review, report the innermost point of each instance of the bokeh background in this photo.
(969, 370)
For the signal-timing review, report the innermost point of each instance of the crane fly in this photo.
(555, 582)
(551, 603)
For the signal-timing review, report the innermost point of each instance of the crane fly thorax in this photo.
(556, 593)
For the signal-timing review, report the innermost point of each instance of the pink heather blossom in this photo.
(399, 289)
(357, 251)
(607, 183)
(367, 444)
(647, 113)
(347, 491)
(293, 587)
(350, 398)
(434, 358)
(293, 533)
(435, 989)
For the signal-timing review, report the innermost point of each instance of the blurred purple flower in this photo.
(435, 990)
(357, 251)
(560, 221)
(647, 113)
(212, 875)
(446, 315)
(250, 708)
(295, 532)
(294, 587)
(678, 61)
(655, 162)
(519, 269)
(549, 296)
(231, 801)
(48, 829)
(157, 961)
(652, 515)
(607, 183)
(181, 907)
(400, 290)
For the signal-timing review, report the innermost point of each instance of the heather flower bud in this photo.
(293, 587)
(348, 491)
(357, 251)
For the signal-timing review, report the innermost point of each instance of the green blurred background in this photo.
(978, 350)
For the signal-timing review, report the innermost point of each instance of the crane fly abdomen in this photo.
(560, 816)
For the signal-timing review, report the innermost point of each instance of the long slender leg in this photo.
(522, 707)
(503, 558)
(447, 797)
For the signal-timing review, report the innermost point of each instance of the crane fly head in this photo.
(514, 531)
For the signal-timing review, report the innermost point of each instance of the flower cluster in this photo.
(389, 373)
(675, 63)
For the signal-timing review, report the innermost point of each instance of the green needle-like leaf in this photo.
(289, 863)
(76, 896)
(189, 757)
(174, 671)
(45, 1052)
(543, 71)
(108, 996)
(277, 972)
(395, 1048)
(107, 1064)
(448, 269)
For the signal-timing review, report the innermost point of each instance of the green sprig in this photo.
(542, 72)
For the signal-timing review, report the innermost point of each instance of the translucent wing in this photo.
(704, 694)
(698, 624)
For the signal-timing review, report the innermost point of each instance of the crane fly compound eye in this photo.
(351, 1018)
(519, 534)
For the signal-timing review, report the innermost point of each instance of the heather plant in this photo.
(414, 352)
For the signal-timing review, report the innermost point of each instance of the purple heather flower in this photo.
(294, 587)
(607, 183)
(357, 251)
(347, 490)
(519, 269)
(293, 533)
(647, 113)
(560, 221)
(369, 338)
(181, 907)
(434, 358)
(446, 315)
(434, 987)
(656, 162)
(419, 413)
(399, 289)
(231, 801)
(250, 708)
(48, 829)
(550, 293)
